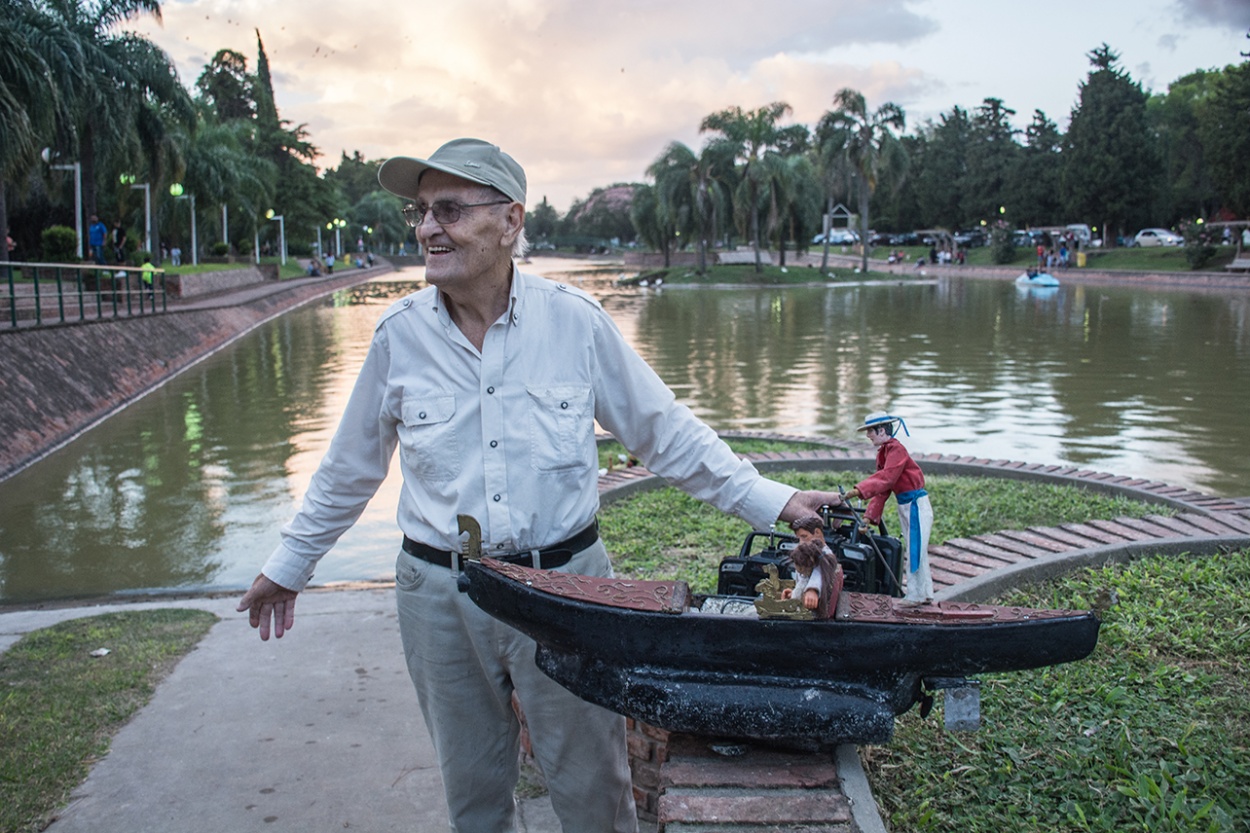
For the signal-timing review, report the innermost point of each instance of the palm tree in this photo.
(868, 145)
(38, 65)
(793, 198)
(751, 134)
(125, 76)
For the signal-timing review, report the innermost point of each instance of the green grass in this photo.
(1151, 733)
(666, 534)
(770, 276)
(611, 451)
(60, 707)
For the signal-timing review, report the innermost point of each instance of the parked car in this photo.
(970, 239)
(1157, 237)
(908, 238)
(837, 237)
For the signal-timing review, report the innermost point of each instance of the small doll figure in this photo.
(897, 472)
(817, 574)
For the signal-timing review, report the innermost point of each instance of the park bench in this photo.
(1240, 264)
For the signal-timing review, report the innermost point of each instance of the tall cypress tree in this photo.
(1111, 172)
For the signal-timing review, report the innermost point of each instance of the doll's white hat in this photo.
(878, 418)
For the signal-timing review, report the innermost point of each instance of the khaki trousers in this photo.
(465, 666)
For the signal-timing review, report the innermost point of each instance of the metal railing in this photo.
(40, 293)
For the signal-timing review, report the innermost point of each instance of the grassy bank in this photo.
(1152, 732)
(666, 534)
(61, 706)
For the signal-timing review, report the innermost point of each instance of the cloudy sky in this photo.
(585, 93)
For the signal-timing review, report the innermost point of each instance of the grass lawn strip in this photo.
(60, 706)
(1152, 732)
(666, 534)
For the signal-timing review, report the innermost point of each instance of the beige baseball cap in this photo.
(471, 159)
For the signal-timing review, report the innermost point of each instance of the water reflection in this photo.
(188, 487)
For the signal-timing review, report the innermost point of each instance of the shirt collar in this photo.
(514, 300)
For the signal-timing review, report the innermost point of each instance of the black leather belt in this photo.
(556, 555)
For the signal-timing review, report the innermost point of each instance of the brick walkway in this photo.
(684, 788)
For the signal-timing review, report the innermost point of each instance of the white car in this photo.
(1157, 237)
(837, 237)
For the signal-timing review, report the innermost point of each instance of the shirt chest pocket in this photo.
(561, 426)
(431, 449)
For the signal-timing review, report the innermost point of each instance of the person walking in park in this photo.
(897, 472)
(118, 240)
(96, 233)
(490, 382)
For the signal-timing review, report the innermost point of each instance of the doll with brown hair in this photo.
(817, 575)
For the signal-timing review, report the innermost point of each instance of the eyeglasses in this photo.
(445, 212)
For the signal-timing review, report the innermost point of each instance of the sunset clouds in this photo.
(586, 92)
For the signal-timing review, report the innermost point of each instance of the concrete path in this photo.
(317, 731)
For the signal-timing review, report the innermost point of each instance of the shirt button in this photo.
(564, 405)
(491, 389)
(407, 302)
(498, 546)
(494, 443)
(421, 415)
(498, 498)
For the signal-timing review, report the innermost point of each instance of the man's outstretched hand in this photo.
(267, 599)
(804, 504)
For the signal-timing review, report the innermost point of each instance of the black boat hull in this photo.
(834, 681)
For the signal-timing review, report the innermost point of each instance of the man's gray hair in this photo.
(520, 246)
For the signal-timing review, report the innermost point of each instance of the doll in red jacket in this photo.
(897, 472)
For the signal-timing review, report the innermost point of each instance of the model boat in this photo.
(724, 666)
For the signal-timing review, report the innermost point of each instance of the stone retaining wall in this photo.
(208, 283)
(56, 382)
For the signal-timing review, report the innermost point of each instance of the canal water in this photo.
(186, 489)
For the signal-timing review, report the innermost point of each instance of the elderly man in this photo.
(490, 381)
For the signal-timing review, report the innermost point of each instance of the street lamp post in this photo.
(129, 179)
(318, 241)
(281, 232)
(176, 191)
(338, 225)
(76, 167)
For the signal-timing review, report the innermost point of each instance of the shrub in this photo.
(1002, 247)
(59, 244)
(1199, 244)
(220, 249)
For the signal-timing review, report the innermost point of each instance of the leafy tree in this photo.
(542, 222)
(1174, 117)
(750, 135)
(222, 169)
(128, 86)
(645, 214)
(1033, 192)
(227, 86)
(382, 212)
(1224, 128)
(794, 197)
(941, 179)
(39, 66)
(355, 177)
(869, 147)
(1111, 167)
(604, 215)
(993, 157)
(693, 191)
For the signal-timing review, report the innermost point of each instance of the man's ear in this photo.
(515, 220)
